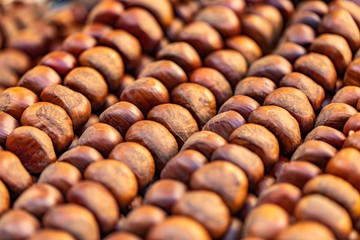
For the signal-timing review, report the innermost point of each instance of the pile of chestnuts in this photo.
(180, 119)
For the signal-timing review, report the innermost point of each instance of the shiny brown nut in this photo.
(7, 125)
(102, 137)
(223, 19)
(88, 82)
(266, 221)
(51, 119)
(354, 234)
(119, 39)
(314, 151)
(336, 48)
(15, 60)
(138, 159)
(225, 179)
(145, 59)
(246, 160)
(281, 124)
(146, 93)
(237, 6)
(318, 7)
(61, 175)
(284, 195)
(96, 29)
(249, 204)
(327, 134)
(230, 63)
(51, 234)
(38, 78)
(348, 94)
(62, 62)
(78, 42)
(273, 67)
(241, 104)
(234, 230)
(186, 10)
(266, 147)
(201, 36)
(162, 10)
(140, 23)
(107, 12)
(259, 29)
(225, 123)
(80, 157)
(111, 99)
(165, 193)
(207, 208)
(107, 61)
(18, 224)
(257, 88)
(167, 72)
(181, 53)
(15, 100)
(175, 226)
(319, 68)
(352, 73)
(296, 103)
(4, 198)
(352, 141)
(13, 174)
(339, 84)
(92, 120)
(76, 105)
(298, 173)
(306, 230)
(8, 78)
(182, 165)
(126, 81)
(345, 165)
(116, 177)
(38, 199)
(214, 81)
(349, 6)
(181, 127)
(156, 138)
(279, 165)
(74, 219)
(121, 116)
(122, 236)
(300, 34)
(140, 220)
(246, 46)
(321, 209)
(340, 17)
(306, 17)
(266, 182)
(352, 124)
(271, 13)
(286, 8)
(335, 115)
(290, 51)
(33, 147)
(93, 195)
(173, 29)
(197, 99)
(338, 190)
(314, 92)
(205, 142)
(29, 41)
